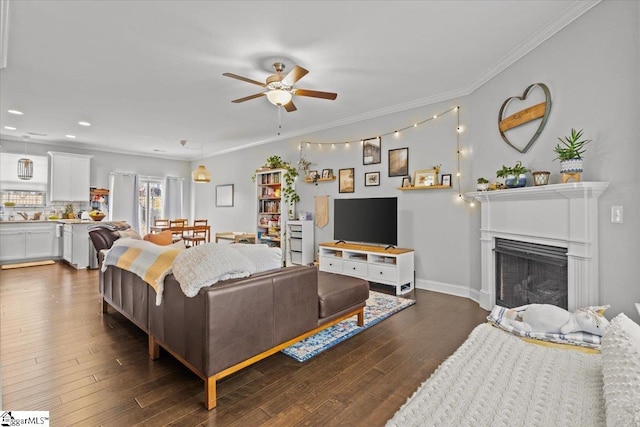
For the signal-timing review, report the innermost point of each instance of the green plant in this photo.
(516, 170)
(481, 180)
(572, 147)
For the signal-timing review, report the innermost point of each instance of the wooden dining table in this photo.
(161, 228)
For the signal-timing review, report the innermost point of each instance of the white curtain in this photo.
(123, 192)
(172, 200)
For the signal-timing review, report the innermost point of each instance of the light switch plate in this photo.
(616, 214)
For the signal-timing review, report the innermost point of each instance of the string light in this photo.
(396, 133)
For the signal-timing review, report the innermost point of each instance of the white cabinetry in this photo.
(76, 245)
(28, 241)
(70, 174)
(392, 266)
(299, 242)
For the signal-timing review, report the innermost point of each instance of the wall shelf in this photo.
(426, 187)
(310, 181)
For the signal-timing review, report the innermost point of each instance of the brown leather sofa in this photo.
(234, 323)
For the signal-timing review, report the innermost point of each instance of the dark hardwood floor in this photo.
(59, 354)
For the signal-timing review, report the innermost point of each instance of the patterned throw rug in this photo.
(379, 307)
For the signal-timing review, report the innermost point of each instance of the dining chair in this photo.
(198, 235)
(159, 222)
(177, 229)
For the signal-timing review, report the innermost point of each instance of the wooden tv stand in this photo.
(392, 266)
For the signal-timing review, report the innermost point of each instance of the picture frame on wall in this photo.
(399, 162)
(371, 179)
(372, 151)
(327, 173)
(425, 178)
(406, 182)
(224, 195)
(346, 178)
(445, 181)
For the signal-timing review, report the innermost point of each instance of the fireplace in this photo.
(528, 273)
(561, 216)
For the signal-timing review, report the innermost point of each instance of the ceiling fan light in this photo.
(201, 174)
(279, 97)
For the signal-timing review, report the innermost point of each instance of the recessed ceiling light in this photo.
(19, 113)
(71, 136)
(10, 128)
(84, 123)
(157, 150)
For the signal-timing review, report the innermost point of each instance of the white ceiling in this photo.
(148, 74)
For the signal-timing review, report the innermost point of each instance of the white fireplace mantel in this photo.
(562, 215)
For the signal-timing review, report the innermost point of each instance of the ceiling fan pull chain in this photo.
(279, 119)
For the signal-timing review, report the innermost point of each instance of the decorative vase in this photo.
(482, 187)
(511, 181)
(571, 166)
(521, 181)
(541, 177)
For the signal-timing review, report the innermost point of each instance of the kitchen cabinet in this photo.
(70, 175)
(75, 247)
(28, 241)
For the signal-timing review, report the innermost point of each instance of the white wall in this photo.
(103, 163)
(591, 68)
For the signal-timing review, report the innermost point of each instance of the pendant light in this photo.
(25, 165)
(199, 174)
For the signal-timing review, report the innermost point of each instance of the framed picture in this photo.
(446, 180)
(224, 195)
(399, 162)
(425, 178)
(313, 175)
(345, 180)
(406, 182)
(371, 179)
(371, 151)
(327, 173)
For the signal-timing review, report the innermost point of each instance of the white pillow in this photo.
(545, 318)
(621, 371)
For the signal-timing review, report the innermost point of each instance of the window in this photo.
(150, 194)
(24, 198)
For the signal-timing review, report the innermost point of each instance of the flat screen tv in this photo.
(372, 220)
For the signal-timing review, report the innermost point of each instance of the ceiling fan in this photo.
(280, 88)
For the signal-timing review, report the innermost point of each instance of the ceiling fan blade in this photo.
(244, 79)
(289, 107)
(247, 98)
(294, 75)
(316, 94)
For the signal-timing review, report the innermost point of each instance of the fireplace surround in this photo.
(557, 215)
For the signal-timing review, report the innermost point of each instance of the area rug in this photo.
(379, 307)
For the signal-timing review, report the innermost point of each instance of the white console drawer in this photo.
(331, 264)
(354, 268)
(382, 273)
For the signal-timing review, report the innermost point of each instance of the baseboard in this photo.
(449, 289)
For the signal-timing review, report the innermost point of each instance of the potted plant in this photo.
(570, 151)
(483, 184)
(513, 176)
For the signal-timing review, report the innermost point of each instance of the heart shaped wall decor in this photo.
(521, 117)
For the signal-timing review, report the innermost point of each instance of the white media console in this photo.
(391, 266)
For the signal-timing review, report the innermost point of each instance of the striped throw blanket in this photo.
(147, 260)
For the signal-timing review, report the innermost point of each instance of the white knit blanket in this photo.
(496, 379)
(206, 264)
